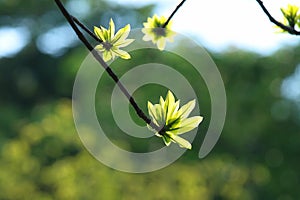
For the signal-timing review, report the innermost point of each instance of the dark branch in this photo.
(71, 21)
(289, 29)
(73, 25)
(173, 13)
(86, 29)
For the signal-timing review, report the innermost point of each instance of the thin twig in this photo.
(289, 29)
(86, 29)
(173, 13)
(139, 112)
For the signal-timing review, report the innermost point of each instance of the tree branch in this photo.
(72, 21)
(289, 29)
(173, 13)
(86, 29)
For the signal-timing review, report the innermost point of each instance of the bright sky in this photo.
(11, 41)
(215, 24)
(218, 24)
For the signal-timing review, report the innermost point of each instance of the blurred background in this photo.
(42, 157)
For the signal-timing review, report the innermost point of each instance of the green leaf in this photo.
(161, 44)
(122, 34)
(166, 139)
(99, 33)
(122, 54)
(187, 125)
(182, 142)
(111, 30)
(124, 43)
(186, 109)
(107, 55)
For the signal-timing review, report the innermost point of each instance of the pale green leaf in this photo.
(124, 43)
(100, 47)
(187, 125)
(155, 112)
(186, 109)
(111, 30)
(122, 34)
(107, 55)
(169, 104)
(99, 33)
(182, 142)
(161, 44)
(122, 54)
(172, 112)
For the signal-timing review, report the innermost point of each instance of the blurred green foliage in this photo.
(41, 156)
